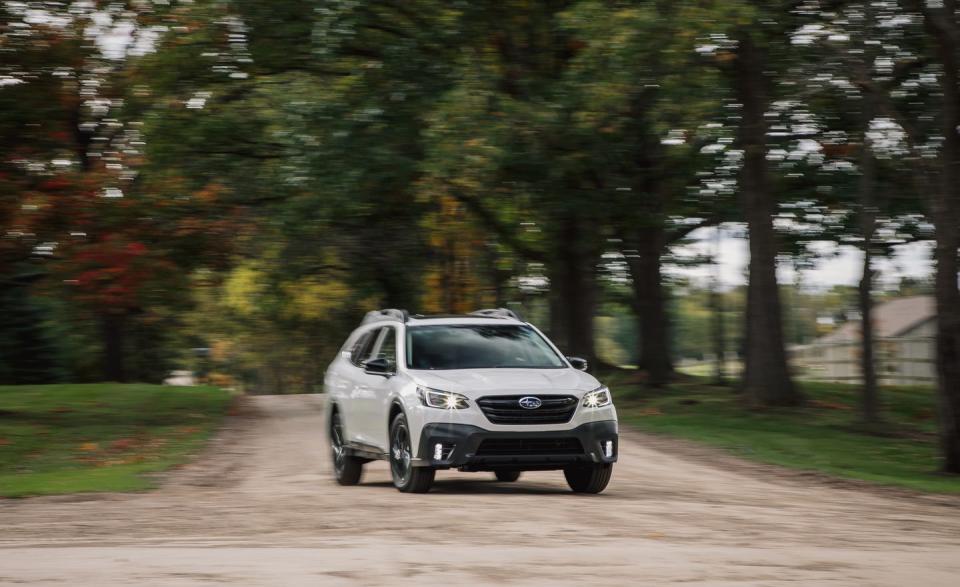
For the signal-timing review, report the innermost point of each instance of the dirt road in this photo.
(260, 508)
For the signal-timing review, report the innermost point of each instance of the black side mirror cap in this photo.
(379, 366)
(578, 363)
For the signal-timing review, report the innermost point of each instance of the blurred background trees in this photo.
(227, 186)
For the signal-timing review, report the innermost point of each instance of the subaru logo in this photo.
(530, 402)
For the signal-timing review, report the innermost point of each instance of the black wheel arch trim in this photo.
(391, 413)
(350, 447)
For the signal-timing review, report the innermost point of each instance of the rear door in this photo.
(351, 408)
(377, 403)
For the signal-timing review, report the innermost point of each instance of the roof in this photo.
(439, 316)
(490, 315)
(890, 319)
(446, 320)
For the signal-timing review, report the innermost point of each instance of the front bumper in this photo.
(461, 447)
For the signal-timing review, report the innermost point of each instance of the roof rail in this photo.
(391, 314)
(497, 313)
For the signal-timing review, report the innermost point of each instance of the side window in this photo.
(361, 350)
(388, 345)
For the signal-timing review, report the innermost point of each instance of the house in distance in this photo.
(905, 335)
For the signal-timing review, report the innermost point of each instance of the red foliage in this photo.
(55, 183)
(113, 272)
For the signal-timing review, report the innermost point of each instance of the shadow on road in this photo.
(459, 486)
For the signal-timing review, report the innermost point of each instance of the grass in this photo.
(822, 436)
(100, 437)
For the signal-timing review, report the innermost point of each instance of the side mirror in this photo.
(379, 367)
(578, 363)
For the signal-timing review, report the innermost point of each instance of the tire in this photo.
(588, 478)
(406, 477)
(507, 476)
(346, 469)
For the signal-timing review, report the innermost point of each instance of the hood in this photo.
(478, 382)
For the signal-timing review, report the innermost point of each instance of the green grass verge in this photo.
(822, 436)
(100, 437)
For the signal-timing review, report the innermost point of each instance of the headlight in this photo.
(597, 398)
(444, 400)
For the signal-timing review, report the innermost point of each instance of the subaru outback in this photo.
(479, 392)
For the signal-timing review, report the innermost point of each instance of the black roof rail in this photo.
(391, 314)
(497, 313)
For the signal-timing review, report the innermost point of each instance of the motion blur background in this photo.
(678, 188)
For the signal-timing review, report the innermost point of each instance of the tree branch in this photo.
(681, 232)
(490, 221)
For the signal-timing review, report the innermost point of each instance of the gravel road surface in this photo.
(259, 507)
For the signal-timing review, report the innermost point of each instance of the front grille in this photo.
(505, 409)
(529, 446)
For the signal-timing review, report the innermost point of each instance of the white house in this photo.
(904, 332)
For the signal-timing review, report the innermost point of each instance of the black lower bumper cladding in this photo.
(471, 448)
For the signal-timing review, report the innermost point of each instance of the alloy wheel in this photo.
(400, 454)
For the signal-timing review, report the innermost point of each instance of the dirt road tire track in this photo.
(260, 507)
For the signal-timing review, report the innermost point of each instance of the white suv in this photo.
(481, 392)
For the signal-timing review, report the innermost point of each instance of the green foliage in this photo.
(73, 438)
(287, 165)
(270, 331)
(28, 352)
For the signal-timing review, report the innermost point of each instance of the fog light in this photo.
(608, 448)
(438, 452)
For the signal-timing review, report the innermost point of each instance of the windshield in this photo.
(464, 346)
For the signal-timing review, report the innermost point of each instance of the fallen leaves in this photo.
(127, 460)
(121, 451)
(123, 444)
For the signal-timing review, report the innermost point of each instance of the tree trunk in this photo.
(113, 330)
(448, 279)
(573, 296)
(650, 307)
(766, 379)
(497, 277)
(870, 398)
(716, 303)
(942, 24)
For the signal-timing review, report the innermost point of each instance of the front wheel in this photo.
(406, 477)
(347, 469)
(507, 476)
(588, 478)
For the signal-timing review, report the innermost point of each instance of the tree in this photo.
(861, 60)
(63, 139)
(766, 378)
(84, 210)
(642, 128)
(942, 24)
(28, 353)
(501, 143)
